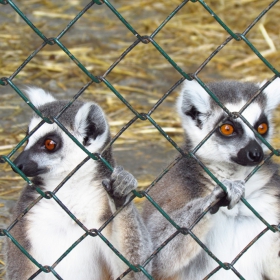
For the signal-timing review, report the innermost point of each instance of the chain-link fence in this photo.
(147, 117)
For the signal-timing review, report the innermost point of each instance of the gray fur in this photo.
(53, 108)
(186, 190)
(120, 185)
(234, 91)
(46, 231)
(235, 189)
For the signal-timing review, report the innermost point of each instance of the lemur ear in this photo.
(91, 125)
(38, 96)
(193, 102)
(272, 92)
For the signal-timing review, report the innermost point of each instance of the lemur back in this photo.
(47, 231)
(231, 153)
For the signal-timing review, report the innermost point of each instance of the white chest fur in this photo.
(232, 230)
(52, 232)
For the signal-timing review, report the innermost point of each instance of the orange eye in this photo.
(50, 145)
(262, 128)
(227, 129)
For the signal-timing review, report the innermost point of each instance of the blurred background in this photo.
(97, 40)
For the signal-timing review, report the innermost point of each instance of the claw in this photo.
(235, 190)
(120, 185)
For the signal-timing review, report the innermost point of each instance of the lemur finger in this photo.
(219, 196)
(124, 184)
(218, 193)
(107, 185)
(117, 170)
(235, 191)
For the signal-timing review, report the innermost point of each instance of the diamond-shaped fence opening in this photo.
(92, 78)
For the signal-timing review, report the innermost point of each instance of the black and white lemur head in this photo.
(49, 152)
(233, 141)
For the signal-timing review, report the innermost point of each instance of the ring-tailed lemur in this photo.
(47, 231)
(186, 190)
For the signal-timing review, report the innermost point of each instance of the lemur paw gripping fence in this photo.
(147, 117)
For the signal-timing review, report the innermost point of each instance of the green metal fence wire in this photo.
(144, 39)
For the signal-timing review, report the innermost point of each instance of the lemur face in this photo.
(232, 141)
(49, 151)
(43, 152)
(237, 140)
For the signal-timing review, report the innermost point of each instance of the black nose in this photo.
(251, 154)
(20, 167)
(254, 155)
(27, 166)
